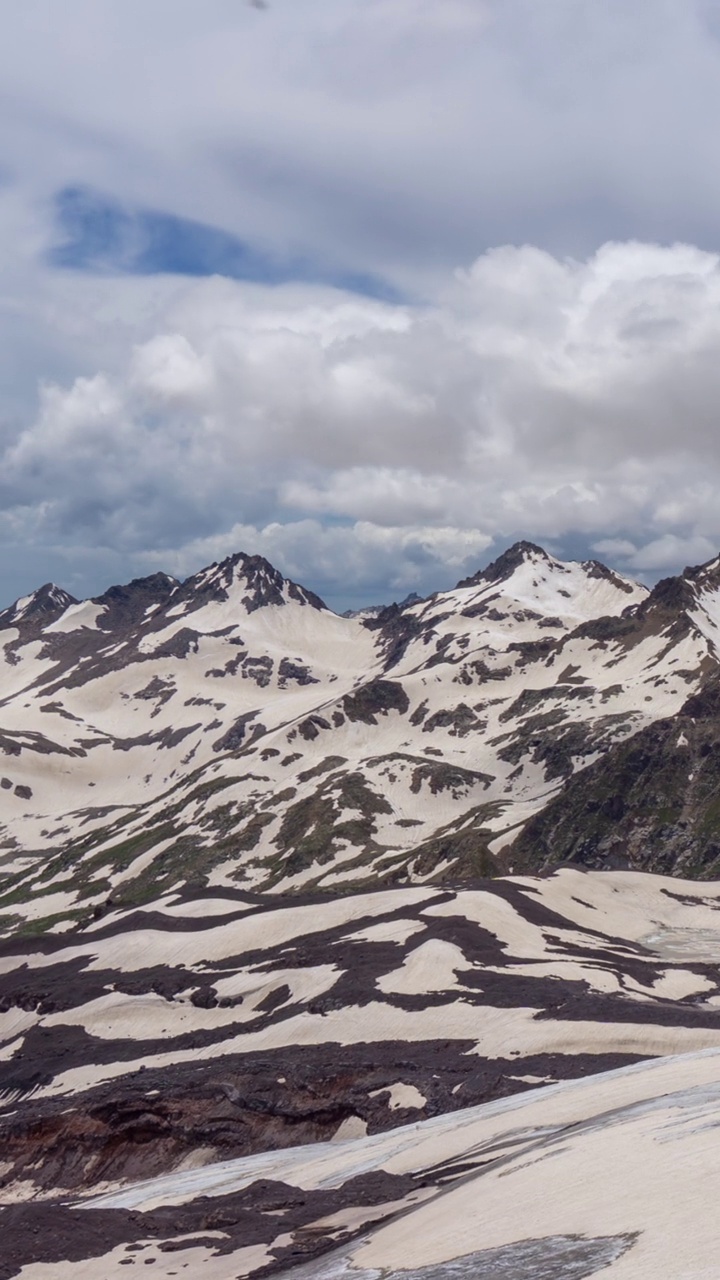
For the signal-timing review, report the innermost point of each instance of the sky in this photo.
(369, 287)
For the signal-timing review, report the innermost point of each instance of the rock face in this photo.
(651, 802)
(233, 731)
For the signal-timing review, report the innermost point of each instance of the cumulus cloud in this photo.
(352, 564)
(565, 391)
(665, 553)
(370, 447)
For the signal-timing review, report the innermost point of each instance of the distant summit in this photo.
(374, 610)
(47, 602)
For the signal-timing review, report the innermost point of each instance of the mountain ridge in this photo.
(233, 729)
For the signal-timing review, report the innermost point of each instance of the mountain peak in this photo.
(129, 603)
(705, 576)
(156, 584)
(684, 591)
(504, 566)
(263, 583)
(41, 604)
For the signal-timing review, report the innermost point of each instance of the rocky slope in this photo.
(231, 731)
(650, 802)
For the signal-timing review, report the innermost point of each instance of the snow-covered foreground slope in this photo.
(614, 1174)
(232, 732)
(166, 1067)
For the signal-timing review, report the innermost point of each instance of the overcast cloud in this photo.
(537, 188)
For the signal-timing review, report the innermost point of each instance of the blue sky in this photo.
(98, 233)
(369, 286)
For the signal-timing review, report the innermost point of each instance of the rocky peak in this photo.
(129, 603)
(596, 569)
(684, 590)
(370, 611)
(158, 585)
(704, 577)
(670, 594)
(45, 604)
(262, 583)
(504, 566)
(695, 597)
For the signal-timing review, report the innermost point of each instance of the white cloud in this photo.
(667, 552)
(363, 562)
(562, 397)
(616, 547)
(556, 398)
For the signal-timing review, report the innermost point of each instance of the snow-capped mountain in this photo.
(233, 731)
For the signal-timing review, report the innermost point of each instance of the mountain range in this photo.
(231, 730)
(380, 946)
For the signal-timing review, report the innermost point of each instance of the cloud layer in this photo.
(365, 446)
(395, 136)
(565, 392)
